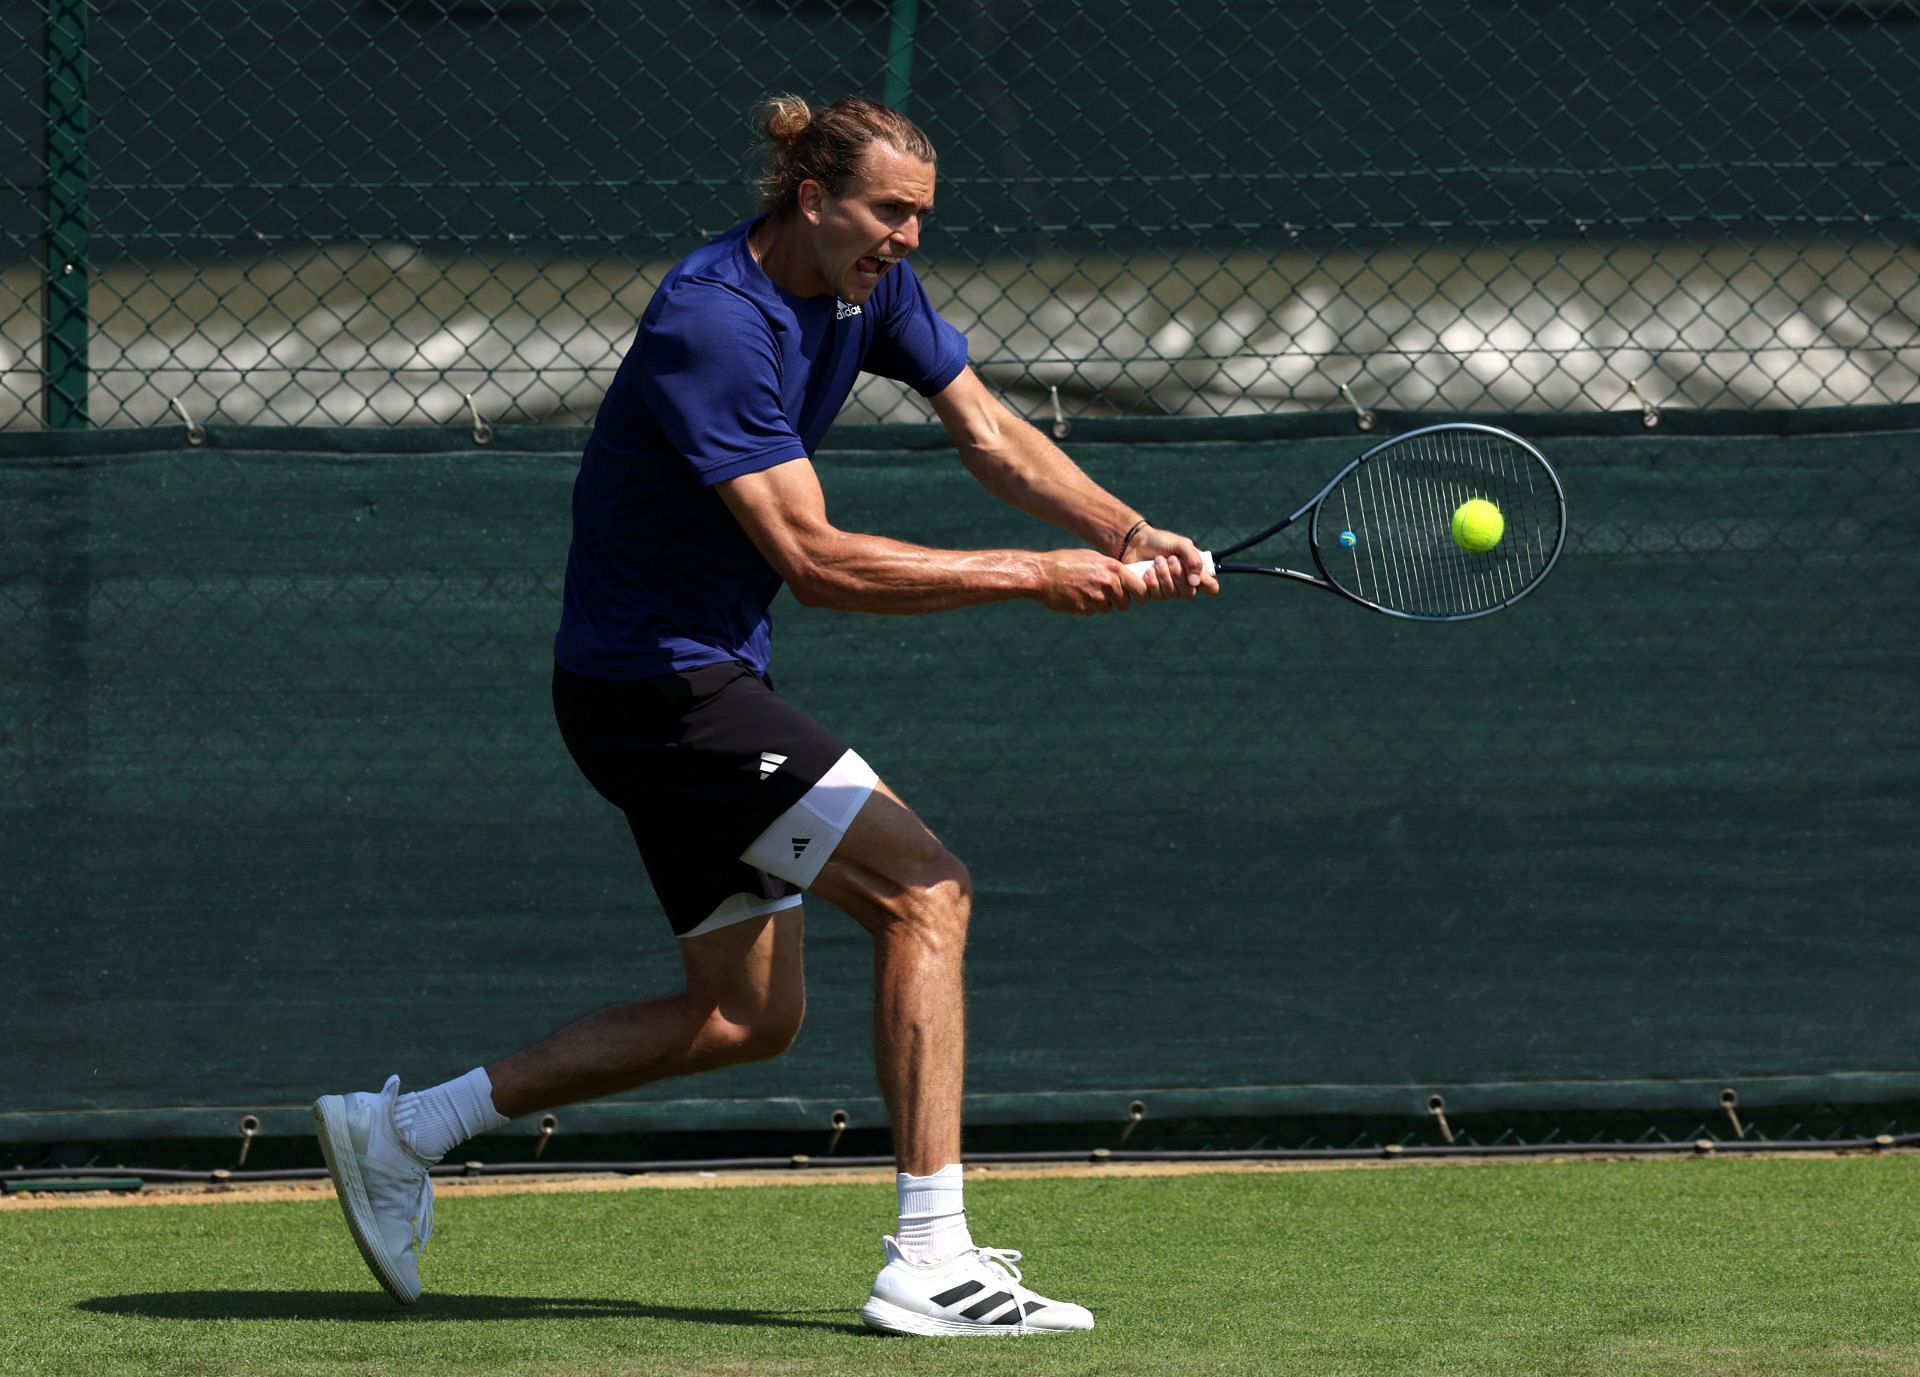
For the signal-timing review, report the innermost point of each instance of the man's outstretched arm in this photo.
(1018, 464)
(784, 512)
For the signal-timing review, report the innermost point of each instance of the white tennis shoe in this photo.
(384, 1189)
(978, 1292)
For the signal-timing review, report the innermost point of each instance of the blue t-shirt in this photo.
(728, 375)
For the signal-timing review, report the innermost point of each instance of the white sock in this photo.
(933, 1216)
(433, 1122)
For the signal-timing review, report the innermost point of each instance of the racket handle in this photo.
(1140, 566)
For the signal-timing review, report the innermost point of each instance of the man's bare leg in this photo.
(894, 878)
(745, 994)
(744, 999)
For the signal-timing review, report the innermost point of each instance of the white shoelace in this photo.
(1006, 1259)
(390, 1171)
(422, 1216)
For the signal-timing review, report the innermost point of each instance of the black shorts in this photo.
(701, 762)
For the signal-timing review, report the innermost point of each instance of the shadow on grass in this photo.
(372, 1307)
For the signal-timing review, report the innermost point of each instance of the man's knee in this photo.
(771, 1032)
(894, 877)
(729, 1037)
(936, 900)
(954, 883)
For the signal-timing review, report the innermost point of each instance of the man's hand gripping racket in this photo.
(1440, 524)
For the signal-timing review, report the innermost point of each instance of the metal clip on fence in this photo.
(548, 1127)
(196, 434)
(249, 1125)
(1135, 1113)
(1437, 1106)
(837, 1121)
(1728, 1099)
(1649, 413)
(1060, 423)
(1361, 416)
(482, 432)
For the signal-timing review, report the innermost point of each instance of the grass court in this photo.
(1772, 1266)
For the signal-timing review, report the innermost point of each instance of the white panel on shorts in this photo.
(798, 842)
(737, 908)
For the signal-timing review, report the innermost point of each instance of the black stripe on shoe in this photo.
(959, 1293)
(989, 1305)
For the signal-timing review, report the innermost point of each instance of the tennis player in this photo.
(695, 501)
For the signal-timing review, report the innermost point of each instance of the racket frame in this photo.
(1324, 579)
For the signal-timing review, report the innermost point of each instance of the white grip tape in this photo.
(1141, 566)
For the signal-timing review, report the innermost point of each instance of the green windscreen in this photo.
(283, 809)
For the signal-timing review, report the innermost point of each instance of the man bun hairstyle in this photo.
(826, 145)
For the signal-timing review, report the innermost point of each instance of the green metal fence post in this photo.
(906, 16)
(65, 318)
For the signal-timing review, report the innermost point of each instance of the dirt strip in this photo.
(218, 1193)
(455, 1187)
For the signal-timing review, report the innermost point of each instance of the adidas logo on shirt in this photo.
(769, 762)
(800, 844)
(841, 310)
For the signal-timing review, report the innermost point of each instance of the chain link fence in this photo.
(414, 211)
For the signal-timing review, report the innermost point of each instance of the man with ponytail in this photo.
(696, 500)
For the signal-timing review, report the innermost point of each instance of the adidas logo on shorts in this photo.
(769, 762)
(800, 844)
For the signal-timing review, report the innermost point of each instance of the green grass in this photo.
(1713, 1267)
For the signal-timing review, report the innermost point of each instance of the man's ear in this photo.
(812, 199)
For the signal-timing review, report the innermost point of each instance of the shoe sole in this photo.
(892, 1319)
(336, 1145)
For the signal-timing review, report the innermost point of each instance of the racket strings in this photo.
(1399, 507)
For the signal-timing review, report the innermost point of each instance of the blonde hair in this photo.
(826, 145)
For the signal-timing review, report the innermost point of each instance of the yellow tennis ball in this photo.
(1478, 526)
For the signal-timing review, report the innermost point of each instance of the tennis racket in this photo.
(1381, 533)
